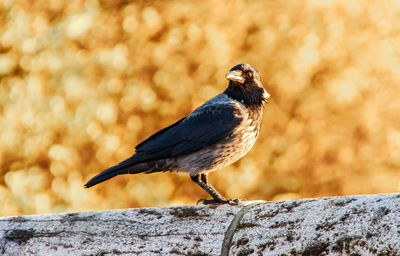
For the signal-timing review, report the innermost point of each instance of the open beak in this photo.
(235, 76)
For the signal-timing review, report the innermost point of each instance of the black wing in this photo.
(201, 129)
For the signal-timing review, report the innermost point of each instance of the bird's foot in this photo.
(214, 201)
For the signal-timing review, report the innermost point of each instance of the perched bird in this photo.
(216, 134)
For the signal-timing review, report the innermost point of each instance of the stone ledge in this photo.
(352, 225)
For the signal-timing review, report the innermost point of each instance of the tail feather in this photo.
(130, 166)
(108, 174)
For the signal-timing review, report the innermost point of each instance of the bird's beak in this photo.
(235, 76)
(266, 96)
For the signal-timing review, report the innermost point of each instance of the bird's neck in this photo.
(253, 98)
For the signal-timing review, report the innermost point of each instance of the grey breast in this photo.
(231, 148)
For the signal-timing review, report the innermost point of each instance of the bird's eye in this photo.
(249, 74)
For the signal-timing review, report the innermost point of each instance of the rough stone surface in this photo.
(189, 230)
(355, 225)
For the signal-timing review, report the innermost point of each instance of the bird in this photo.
(215, 135)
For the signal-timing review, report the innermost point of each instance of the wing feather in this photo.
(201, 129)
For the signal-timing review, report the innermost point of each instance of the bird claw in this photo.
(213, 201)
(206, 201)
(234, 201)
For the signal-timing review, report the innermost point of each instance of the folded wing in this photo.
(201, 129)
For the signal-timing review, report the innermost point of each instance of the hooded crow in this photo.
(216, 134)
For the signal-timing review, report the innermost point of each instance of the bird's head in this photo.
(245, 85)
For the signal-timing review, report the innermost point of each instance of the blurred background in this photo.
(82, 82)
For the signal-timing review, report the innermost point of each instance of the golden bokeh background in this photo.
(82, 82)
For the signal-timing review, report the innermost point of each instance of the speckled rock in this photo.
(356, 225)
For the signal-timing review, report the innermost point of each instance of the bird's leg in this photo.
(204, 178)
(202, 181)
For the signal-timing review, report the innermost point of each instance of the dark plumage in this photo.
(216, 134)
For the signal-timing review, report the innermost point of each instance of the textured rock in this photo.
(356, 225)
